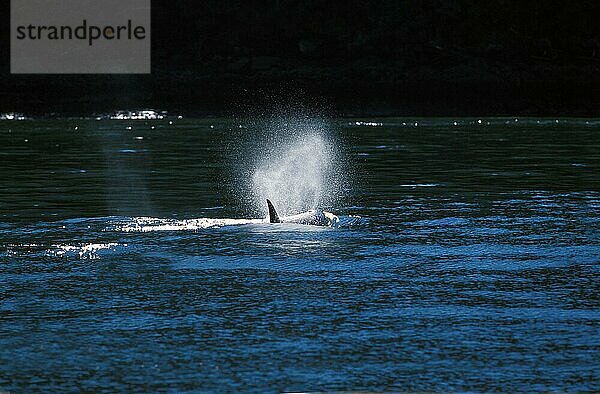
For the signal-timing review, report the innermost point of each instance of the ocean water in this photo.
(134, 257)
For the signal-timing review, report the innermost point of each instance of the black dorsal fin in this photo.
(273, 217)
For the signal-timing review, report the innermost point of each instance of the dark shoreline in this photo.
(459, 58)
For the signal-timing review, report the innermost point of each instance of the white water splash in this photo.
(148, 224)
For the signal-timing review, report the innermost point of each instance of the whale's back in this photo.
(314, 217)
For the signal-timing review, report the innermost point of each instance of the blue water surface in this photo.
(466, 259)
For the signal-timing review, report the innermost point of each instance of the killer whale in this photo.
(314, 217)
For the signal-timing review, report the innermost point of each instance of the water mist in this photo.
(298, 168)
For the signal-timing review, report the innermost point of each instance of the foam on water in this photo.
(147, 224)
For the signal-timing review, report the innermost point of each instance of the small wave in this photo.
(350, 221)
(87, 251)
(442, 222)
(421, 185)
(132, 150)
(84, 251)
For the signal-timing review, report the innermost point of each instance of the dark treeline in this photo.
(205, 32)
(432, 57)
